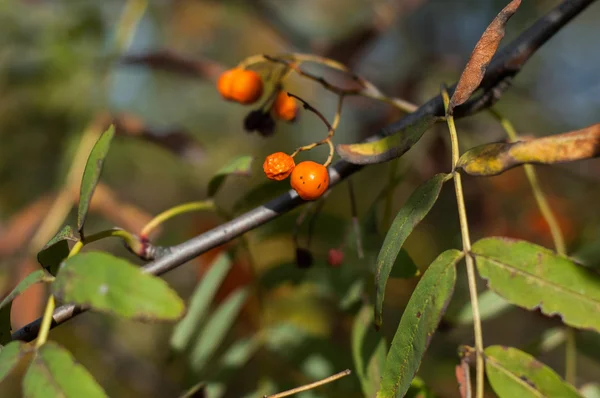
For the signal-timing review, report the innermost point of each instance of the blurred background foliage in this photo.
(59, 72)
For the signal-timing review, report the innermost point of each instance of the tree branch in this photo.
(505, 65)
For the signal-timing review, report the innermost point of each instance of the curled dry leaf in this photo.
(482, 55)
(492, 159)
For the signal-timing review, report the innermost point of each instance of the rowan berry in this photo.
(285, 107)
(335, 257)
(240, 85)
(278, 166)
(310, 180)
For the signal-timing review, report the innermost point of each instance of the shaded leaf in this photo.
(513, 373)
(532, 277)
(56, 250)
(492, 159)
(112, 285)
(5, 306)
(367, 363)
(481, 56)
(53, 372)
(216, 329)
(419, 321)
(91, 174)
(392, 146)
(414, 210)
(200, 302)
(239, 166)
(10, 356)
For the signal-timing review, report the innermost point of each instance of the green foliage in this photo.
(532, 276)
(414, 210)
(6, 304)
(112, 285)
(200, 302)
(240, 166)
(419, 321)
(56, 250)
(53, 372)
(369, 359)
(513, 373)
(10, 356)
(91, 175)
(213, 334)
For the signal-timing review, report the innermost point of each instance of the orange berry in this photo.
(225, 83)
(243, 86)
(278, 166)
(285, 107)
(310, 180)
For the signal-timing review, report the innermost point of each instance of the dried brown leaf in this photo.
(463, 378)
(482, 55)
(492, 159)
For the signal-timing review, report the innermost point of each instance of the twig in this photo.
(310, 386)
(466, 241)
(507, 62)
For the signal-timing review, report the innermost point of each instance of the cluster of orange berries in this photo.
(246, 87)
(309, 179)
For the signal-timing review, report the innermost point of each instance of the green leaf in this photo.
(91, 174)
(532, 276)
(56, 250)
(419, 321)
(368, 363)
(259, 194)
(214, 333)
(590, 390)
(393, 146)
(200, 302)
(239, 166)
(490, 306)
(414, 210)
(5, 306)
(54, 373)
(513, 373)
(10, 356)
(112, 285)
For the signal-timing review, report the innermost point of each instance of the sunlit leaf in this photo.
(6, 304)
(200, 302)
(532, 276)
(492, 159)
(91, 174)
(392, 146)
(10, 356)
(419, 321)
(369, 359)
(216, 328)
(239, 166)
(56, 250)
(53, 372)
(481, 56)
(513, 373)
(414, 210)
(113, 285)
